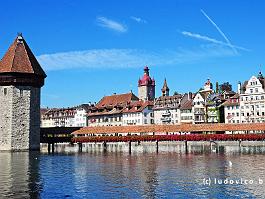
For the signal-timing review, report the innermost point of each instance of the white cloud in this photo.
(138, 19)
(129, 58)
(111, 24)
(206, 38)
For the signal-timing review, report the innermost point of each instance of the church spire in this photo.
(165, 89)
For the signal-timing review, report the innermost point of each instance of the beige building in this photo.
(108, 112)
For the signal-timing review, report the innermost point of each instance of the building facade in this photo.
(138, 113)
(186, 113)
(252, 100)
(108, 112)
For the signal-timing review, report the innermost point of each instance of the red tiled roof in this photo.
(20, 59)
(139, 106)
(170, 128)
(186, 105)
(231, 102)
(115, 100)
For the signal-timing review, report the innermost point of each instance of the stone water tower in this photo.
(21, 78)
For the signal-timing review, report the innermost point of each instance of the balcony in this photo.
(166, 119)
(199, 112)
(166, 114)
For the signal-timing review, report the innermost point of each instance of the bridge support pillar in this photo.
(105, 144)
(80, 147)
(216, 146)
(186, 146)
(130, 147)
(240, 142)
(157, 146)
(53, 147)
(49, 148)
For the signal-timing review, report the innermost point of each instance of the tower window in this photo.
(21, 93)
(5, 91)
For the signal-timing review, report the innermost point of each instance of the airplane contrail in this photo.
(206, 38)
(220, 31)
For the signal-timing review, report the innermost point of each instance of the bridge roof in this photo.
(170, 128)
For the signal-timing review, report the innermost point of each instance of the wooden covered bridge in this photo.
(183, 132)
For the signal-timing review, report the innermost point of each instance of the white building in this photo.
(199, 103)
(138, 113)
(65, 117)
(186, 114)
(232, 109)
(81, 113)
(58, 117)
(252, 99)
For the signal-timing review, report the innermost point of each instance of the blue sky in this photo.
(94, 48)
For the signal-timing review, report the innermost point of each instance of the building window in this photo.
(256, 90)
(262, 97)
(5, 91)
(251, 90)
(21, 92)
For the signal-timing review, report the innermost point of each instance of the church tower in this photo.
(165, 89)
(21, 78)
(146, 86)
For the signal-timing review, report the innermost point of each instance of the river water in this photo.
(233, 172)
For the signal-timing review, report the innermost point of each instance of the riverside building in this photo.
(252, 99)
(166, 108)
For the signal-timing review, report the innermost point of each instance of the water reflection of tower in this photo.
(19, 175)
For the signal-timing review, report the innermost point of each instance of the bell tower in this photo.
(21, 78)
(165, 89)
(146, 86)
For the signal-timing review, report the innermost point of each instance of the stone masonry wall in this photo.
(5, 117)
(25, 118)
(34, 136)
(19, 118)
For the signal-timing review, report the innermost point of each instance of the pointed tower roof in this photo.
(19, 65)
(165, 87)
(20, 59)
